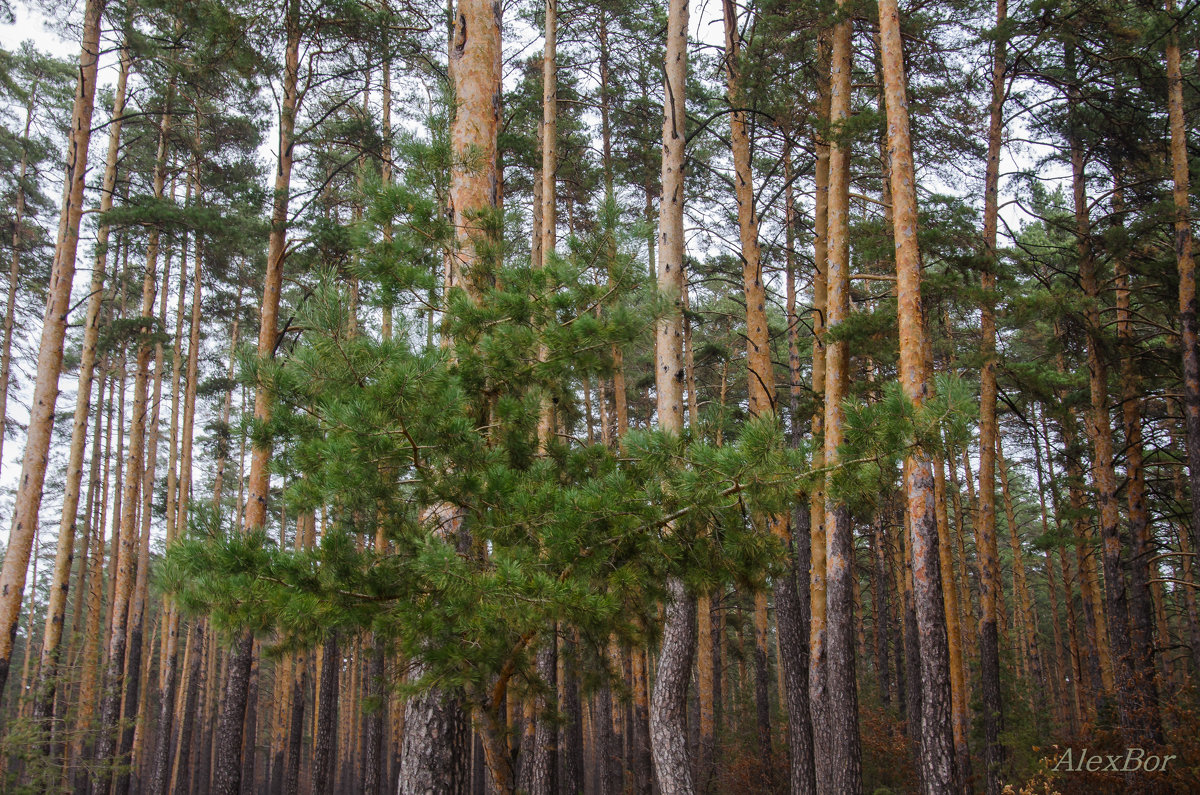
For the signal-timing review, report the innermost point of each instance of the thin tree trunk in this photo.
(792, 605)
(1031, 653)
(985, 516)
(14, 268)
(228, 763)
(1099, 432)
(1186, 266)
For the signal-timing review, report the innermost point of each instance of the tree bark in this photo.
(325, 741)
(435, 752)
(842, 745)
(64, 553)
(1099, 431)
(937, 741)
(668, 703)
(50, 350)
(816, 654)
(1189, 310)
(985, 515)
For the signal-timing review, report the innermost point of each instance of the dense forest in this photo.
(611, 397)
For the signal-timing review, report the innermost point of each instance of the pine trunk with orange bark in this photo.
(227, 769)
(762, 394)
(840, 743)
(1098, 427)
(985, 516)
(938, 769)
(50, 351)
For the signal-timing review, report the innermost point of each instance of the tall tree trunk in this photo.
(816, 648)
(842, 744)
(792, 603)
(435, 752)
(937, 740)
(1188, 308)
(762, 393)
(1099, 431)
(961, 719)
(127, 550)
(228, 764)
(1069, 717)
(64, 554)
(14, 268)
(668, 703)
(50, 350)
(133, 733)
(1098, 661)
(985, 516)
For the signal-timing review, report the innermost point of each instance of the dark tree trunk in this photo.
(161, 762)
(882, 663)
(227, 761)
(325, 742)
(299, 684)
(187, 721)
(571, 737)
(250, 734)
(791, 621)
(373, 752)
(434, 751)
(607, 758)
(543, 762)
(845, 764)
(668, 703)
(762, 687)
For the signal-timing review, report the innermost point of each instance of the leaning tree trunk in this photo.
(64, 554)
(50, 351)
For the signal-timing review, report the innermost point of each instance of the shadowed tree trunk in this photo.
(1189, 314)
(1098, 427)
(985, 515)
